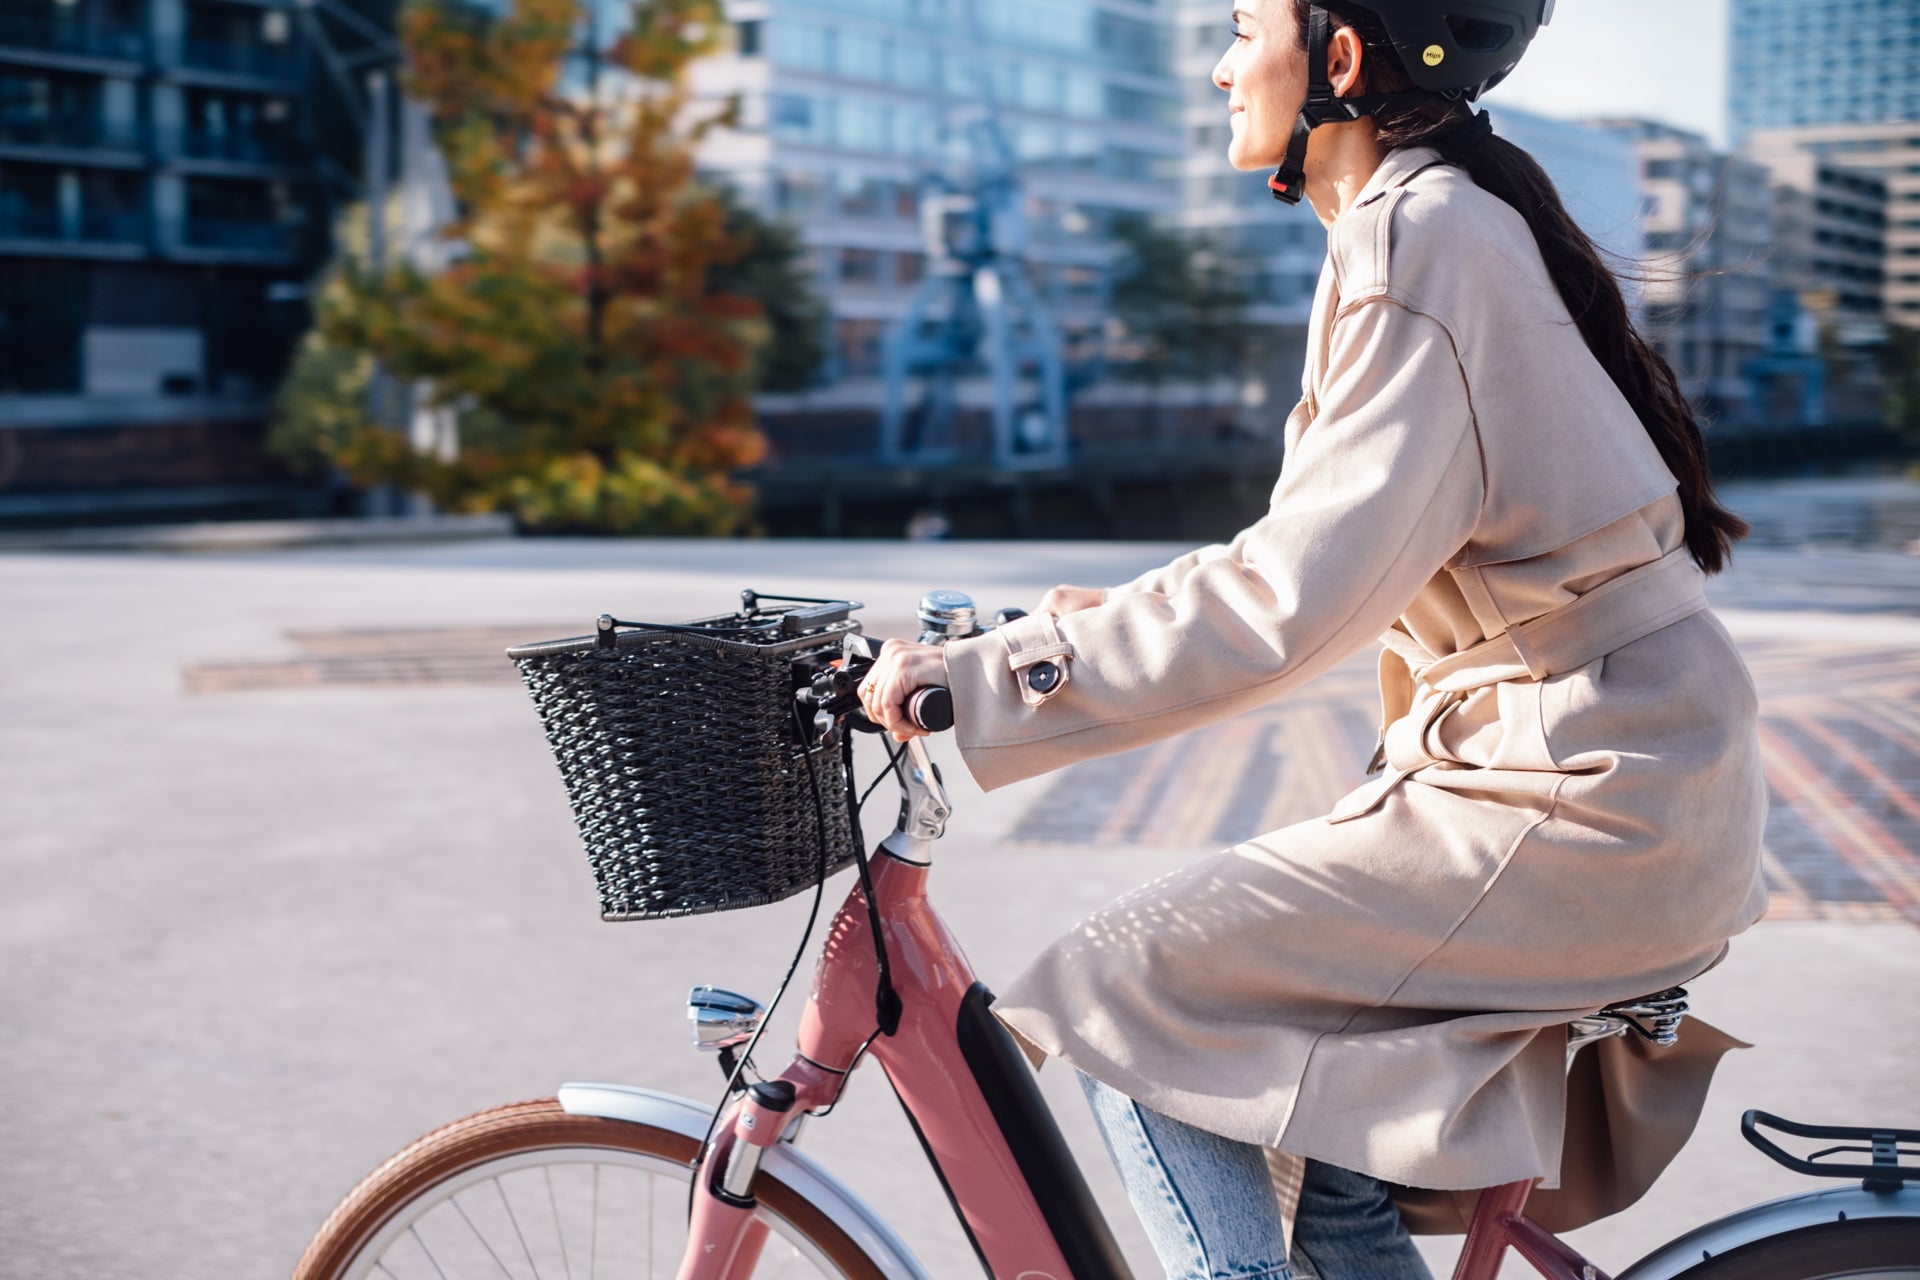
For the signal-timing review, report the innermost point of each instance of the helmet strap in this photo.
(1289, 182)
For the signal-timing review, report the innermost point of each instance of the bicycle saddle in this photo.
(1654, 1018)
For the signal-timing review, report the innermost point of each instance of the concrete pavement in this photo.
(291, 878)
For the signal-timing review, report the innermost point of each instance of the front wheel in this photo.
(528, 1191)
(1861, 1249)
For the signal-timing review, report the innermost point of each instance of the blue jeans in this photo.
(1208, 1206)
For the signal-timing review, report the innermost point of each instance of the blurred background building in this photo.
(171, 172)
(1706, 275)
(1841, 82)
(850, 105)
(158, 220)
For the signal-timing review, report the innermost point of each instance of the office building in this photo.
(1706, 259)
(846, 105)
(157, 220)
(1889, 153)
(1830, 238)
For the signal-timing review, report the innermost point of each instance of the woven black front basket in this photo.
(681, 758)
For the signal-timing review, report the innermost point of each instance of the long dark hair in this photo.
(1586, 285)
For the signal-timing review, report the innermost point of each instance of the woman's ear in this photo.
(1344, 56)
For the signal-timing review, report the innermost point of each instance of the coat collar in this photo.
(1396, 170)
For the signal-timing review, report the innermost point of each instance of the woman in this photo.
(1491, 472)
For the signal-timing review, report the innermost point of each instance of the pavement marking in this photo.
(1840, 735)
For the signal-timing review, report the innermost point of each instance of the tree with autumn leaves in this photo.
(593, 324)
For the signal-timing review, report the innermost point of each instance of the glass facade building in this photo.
(848, 104)
(1822, 62)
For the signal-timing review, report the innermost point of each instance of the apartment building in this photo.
(152, 198)
(1888, 154)
(1706, 258)
(1830, 238)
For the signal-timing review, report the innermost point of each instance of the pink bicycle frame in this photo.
(972, 1099)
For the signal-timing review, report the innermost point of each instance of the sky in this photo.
(1661, 58)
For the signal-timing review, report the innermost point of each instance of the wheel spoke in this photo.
(461, 1210)
(559, 1232)
(520, 1235)
(423, 1236)
(431, 1260)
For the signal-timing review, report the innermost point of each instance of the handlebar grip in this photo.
(931, 708)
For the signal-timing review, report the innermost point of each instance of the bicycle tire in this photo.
(393, 1200)
(1880, 1248)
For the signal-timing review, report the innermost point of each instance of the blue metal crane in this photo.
(974, 310)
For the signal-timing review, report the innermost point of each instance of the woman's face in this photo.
(1264, 73)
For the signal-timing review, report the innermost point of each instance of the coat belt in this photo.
(1613, 614)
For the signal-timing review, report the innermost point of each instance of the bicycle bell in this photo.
(946, 615)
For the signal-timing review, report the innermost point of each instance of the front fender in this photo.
(1756, 1222)
(783, 1161)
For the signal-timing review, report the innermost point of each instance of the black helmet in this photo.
(1458, 48)
(1451, 49)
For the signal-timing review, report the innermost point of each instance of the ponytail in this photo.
(1586, 285)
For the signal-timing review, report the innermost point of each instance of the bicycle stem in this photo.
(924, 807)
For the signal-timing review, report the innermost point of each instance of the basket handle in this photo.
(606, 628)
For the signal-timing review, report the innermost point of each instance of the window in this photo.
(860, 266)
(1085, 95)
(860, 56)
(748, 34)
(857, 344)
(863, 197)
(864, 126)
(1147, 108)
(800, 45)
(798, 194)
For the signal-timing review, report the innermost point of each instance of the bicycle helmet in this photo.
(1454, 50)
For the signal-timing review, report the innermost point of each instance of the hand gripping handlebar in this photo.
(834, 692)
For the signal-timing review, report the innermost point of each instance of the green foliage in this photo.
(593, 316)
(770, 273)
(1180, 303)
(1900, 367)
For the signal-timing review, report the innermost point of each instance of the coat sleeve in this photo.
(1384, 487)
(1167, 578)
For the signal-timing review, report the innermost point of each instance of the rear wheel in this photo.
(1860, 1249)
(528, 1191)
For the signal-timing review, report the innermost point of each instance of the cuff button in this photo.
(1042, 677)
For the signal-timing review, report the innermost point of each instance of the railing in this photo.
(239, 233)
(69, 133)
(242, 148)
(88, 226)
(64, 29)
(241, 57)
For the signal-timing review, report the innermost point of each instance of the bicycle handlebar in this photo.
(931, 708)
(833, 691)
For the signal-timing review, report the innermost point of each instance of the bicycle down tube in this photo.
(967, 1089)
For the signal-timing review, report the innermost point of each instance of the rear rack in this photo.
(1885, 1146)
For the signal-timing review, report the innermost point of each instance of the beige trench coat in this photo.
(1571, 808)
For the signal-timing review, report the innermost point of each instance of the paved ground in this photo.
(290, 877)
